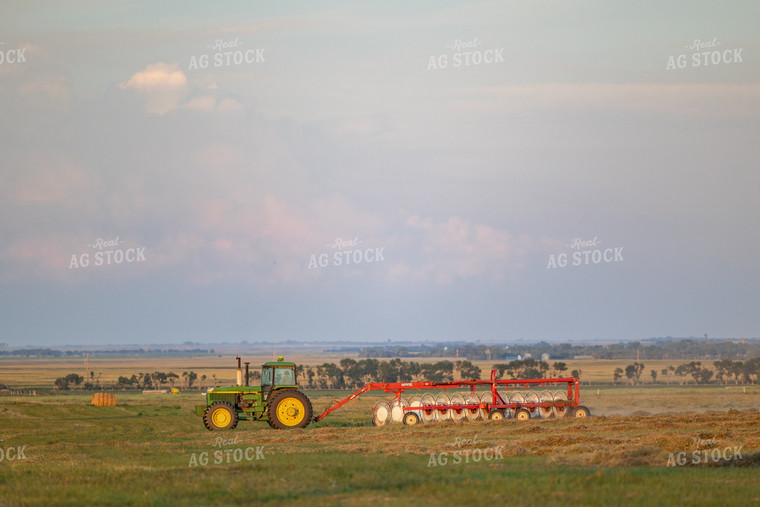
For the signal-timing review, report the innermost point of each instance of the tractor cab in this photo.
(277, 374)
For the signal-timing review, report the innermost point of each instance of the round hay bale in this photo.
(104, 400)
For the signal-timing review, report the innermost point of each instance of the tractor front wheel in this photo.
(289, 409)
(220, 415)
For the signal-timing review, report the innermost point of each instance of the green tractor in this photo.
(277, 401)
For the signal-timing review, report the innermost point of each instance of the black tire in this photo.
(289, 409)
(496, 415)
(411, 419)
(220, 415)
(581, 412)
(522, 414)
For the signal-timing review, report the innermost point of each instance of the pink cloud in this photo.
(163, 85)
(458, 249)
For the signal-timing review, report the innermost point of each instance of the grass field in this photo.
(650, 445)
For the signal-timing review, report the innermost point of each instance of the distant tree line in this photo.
(38, 353)
(662, 349)
(352, 374)
(48, 352)
(69, 381)
(532, 369)
(747, 372)
(142, 381)
(725, 371)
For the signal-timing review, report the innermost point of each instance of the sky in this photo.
(485, 170)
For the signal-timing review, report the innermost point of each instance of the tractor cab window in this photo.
(284, 377)
(266, 376)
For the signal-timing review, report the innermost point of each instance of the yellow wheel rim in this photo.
(221, 417)
(290, 411)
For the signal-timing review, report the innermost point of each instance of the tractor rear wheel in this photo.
(289, 409)
(220, 415)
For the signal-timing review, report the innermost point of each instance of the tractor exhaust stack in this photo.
(239, 373)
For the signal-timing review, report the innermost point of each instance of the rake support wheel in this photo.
(580, 412)
(522, 414)
(411, 419)
(496, 415)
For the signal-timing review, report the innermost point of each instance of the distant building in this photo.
(545, 356)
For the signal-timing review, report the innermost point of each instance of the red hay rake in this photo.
(491, 404)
